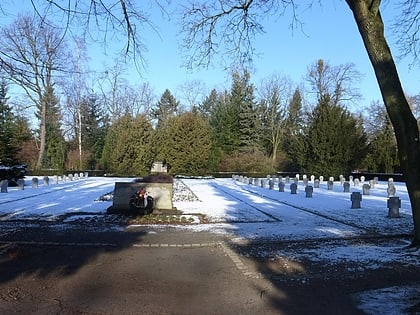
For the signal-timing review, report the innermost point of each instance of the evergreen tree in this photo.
(55, 143)
(294, 143)
(335, 140)
(382, 156)
(242, 98)
(9, 148)
(93, 131)
(128, 146)
(186, 144)
(225, 124)
(166, 108)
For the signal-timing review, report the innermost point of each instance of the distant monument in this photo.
(158, 167)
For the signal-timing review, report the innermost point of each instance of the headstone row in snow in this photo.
(46, 180)
(270, 182)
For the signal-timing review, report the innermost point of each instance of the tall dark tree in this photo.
(186, 144)
(9, 148)
(166, 107)
(55, 144)
(294, 143)
(128, 146)
(242, 98)
(335, 140)
(382, 154)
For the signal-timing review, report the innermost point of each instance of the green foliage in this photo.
(9, 148)
(166, 108)
(55, 142)
(184, 143)
(335, 140)
(382, 156)
(242, 162)
(128, 146)
(242, 98)
(93, 131)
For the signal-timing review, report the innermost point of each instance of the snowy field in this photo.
(250, 213)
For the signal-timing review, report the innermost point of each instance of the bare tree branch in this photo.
(227, 27)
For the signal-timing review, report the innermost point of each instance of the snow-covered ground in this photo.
(251, 213)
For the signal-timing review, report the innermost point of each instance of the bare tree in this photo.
(33, 53)
(103, 21)
(208, 24)
(275, 94)
(335, 81)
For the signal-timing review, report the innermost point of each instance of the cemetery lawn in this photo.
(291, 230)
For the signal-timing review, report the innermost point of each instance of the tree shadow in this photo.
(44, 249)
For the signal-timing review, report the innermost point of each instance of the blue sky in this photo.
(330, 34)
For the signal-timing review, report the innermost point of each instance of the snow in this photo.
(248, 213)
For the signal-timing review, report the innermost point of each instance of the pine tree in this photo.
(55, 143)
(128, 146)
(242, 98)
(9, 148)
(294, 143)
(335, 139)
(166, 108)
(186, 144)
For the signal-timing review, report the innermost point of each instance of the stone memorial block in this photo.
(390, 180)
(346, 187)
(305, 182)
(331, 179)
(394, 205)
(321, 179)
(330, 185)
(86, 174)
(356, 182)
(312, 178)
(281, 186)
(342, 179)
(76, 176)
(21, 184)
(316, 183)
(55, 179)
(391, 190)
(46, 180)
(372, 183)
(287, 179)
(3, 185)
(297, 176)
(376, 179)
(263, 180)
(293, 188)
(356, 198)
(309, 190)
(351, 178)
(362, 179)
(250, 181)
(70, 176)
(35, 182)
(271, 184)
(81, 174)
(157, 186)
(366, 189)
(296, 180)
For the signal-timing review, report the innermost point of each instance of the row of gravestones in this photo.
(46, 180)
(393, 202)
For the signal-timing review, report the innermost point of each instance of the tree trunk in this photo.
(371, 28)
(42, 135)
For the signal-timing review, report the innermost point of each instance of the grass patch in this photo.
(173, 219)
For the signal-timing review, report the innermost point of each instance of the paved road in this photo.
(47, 269)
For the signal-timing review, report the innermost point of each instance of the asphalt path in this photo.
(51, 269)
